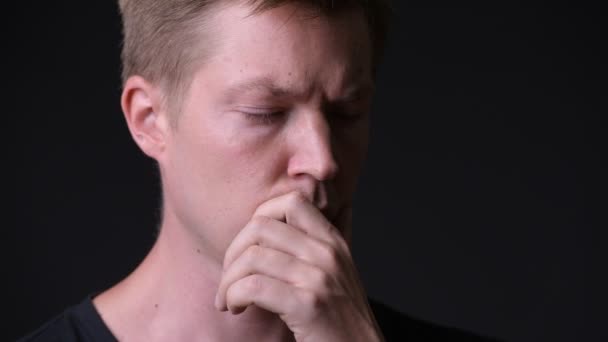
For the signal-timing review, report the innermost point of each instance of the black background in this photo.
(479, 206)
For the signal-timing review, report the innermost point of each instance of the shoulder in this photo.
(79, 323)
(397, 326)
(57, 329)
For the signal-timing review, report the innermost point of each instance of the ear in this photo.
(142, 106)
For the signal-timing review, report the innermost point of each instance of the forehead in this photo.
(293, 46)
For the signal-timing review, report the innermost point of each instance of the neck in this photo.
(170, 296)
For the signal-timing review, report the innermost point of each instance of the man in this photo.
(257, 115)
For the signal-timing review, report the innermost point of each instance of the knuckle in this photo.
(254, 252)
(252, 284)
(342, 247)
(320, 280)
(296, 199)
(262, 208)
(330, 258)
(333, 243)
(312, 302)
(259, 222)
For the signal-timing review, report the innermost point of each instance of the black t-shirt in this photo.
(82, 323)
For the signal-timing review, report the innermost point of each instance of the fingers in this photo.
(287, 259)
(268, 232)
(263, 291)
(311, 316)
(296, 210)
(274, 264)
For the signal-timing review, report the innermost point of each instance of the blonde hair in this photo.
(161, 38)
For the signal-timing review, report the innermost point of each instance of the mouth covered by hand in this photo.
(292, 260)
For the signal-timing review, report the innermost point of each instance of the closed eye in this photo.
(263, 117)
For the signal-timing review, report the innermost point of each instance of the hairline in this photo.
(174, 88)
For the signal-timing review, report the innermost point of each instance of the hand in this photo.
(289, 259)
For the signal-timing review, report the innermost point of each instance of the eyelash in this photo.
(263, 118)
(270, 118)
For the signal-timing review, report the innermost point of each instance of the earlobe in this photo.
(141, 106)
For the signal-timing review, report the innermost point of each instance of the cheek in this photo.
(247, 156)
(219, 174)
(232, 163)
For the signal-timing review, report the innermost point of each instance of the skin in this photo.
(255, 236)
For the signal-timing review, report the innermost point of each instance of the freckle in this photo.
(289, 73)
(198, 251)
(156, 306)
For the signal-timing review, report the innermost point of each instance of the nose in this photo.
(311, 145)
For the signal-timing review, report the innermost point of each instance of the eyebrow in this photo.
(267, 85)
(263, 84)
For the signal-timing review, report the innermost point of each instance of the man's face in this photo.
(281, 105)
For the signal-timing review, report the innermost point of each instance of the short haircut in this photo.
(165, 39)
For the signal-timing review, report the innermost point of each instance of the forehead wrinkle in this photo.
(266, 86)
(294, 72)
(262, 84)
